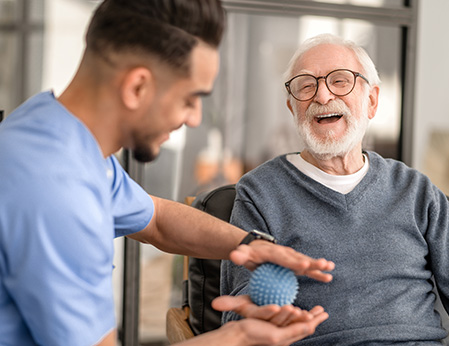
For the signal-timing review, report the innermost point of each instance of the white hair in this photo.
(368, 67)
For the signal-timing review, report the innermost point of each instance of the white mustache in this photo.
(334, 106)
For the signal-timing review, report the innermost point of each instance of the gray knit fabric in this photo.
(387, 237)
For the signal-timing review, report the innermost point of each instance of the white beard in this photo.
(330, 146)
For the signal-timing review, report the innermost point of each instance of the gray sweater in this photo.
(387, 237)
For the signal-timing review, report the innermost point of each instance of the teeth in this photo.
(329, 115)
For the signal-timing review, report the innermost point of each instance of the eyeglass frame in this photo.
(356, 74)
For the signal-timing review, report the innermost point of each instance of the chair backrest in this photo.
(204, 275)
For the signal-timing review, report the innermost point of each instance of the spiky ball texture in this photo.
(273, 284)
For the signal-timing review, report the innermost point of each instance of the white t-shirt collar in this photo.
(340, 183)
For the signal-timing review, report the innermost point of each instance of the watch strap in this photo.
(257, 235)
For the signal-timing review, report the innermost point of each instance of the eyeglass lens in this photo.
(339, 82)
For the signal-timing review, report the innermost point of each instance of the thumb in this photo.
(228, 303)
(240, 255)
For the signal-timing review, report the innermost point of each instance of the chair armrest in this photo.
(178, 328)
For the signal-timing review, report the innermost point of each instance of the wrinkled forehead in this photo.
(324, 58)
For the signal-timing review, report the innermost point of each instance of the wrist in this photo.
(257, 235)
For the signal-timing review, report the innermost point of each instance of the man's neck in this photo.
(87, 105)
(348, 163)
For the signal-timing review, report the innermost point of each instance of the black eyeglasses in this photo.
(340, 82)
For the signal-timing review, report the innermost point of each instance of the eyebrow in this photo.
(304, 72)
(201, 93)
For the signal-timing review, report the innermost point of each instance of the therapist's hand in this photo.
(261, 251)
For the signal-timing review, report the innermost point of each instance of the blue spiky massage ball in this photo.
(273, 284)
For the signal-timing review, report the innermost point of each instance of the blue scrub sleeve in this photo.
(132, 206)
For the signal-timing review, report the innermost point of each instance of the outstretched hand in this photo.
(278, 315)
(270, 324)
(261, 251)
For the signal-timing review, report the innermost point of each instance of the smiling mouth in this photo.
(328, 118)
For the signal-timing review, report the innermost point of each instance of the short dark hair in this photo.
(166, 29)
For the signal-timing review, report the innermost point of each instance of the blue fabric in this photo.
(61, 205)
(387, 237)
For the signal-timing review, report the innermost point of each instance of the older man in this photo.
(384, 225)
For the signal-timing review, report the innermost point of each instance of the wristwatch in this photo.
(255, 234)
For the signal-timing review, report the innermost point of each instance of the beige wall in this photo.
(432, 76)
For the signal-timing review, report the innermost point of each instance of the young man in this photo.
(64, 197)
(385, 226)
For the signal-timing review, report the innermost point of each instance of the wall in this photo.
(432, 76)
(65, 25)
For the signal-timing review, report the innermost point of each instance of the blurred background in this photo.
(245, 120)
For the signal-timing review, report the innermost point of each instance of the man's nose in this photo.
(195, 115)
(323, 94)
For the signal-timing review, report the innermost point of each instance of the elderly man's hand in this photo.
(261, 251)
(272, 324)
(279, 315)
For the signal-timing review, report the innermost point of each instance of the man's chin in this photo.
(145, 156)
(332, 148)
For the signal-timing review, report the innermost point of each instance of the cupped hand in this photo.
(261, 333)
(278, 315)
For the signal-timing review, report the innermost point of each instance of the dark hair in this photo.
(167, 29)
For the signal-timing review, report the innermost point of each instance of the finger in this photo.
(316, 268)
(320, 318)
(265, 312)
(290, 314)
(317, 320)
(300, 316)
(258, 252)
(318, 275)
(298, 331)
(281, 318)
(242, 256)
(243, 306)
(316, 310)
(228, 303)
(251, 310)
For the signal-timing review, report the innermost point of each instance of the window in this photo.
(248, 108)
(21, 42)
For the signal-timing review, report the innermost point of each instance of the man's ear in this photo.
(373, 101)
(137, 87)
(289, 105)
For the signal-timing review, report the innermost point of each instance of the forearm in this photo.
(230, 334)
(250, 331)
(178, 228)
(109, 339)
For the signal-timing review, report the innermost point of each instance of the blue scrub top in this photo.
(61, 205)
